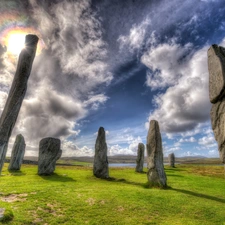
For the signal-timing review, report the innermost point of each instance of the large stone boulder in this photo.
(171, 158)
(100, 168)
(218, 125)
(16, 94)
(17, 153)
(49, 153)
(156, 174)
(140, 158)
(216, 66)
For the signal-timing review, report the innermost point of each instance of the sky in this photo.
(116, 64)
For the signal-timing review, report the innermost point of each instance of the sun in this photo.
(15, 43)
(14, 40)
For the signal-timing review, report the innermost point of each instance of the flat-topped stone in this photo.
(16, 94)
(49, 153)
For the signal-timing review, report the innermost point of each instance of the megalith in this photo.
(100, 168)
(17, 153)
(171, 158)
(49, 153)
(156, 174)
(140, 158)
(16, 94)
(216, 67)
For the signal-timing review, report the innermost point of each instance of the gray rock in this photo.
(218, 126)
(49, 153)
(156, 174)
(171, 160)
(16, 94)
(140, 158)
(216, 67)
(17, 153)
(100, 168)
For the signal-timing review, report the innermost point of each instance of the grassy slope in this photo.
(74, 196)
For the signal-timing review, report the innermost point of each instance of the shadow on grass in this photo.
(57, 177)
(173, 175)
(198, 195)
(16, 173)
(124, 181)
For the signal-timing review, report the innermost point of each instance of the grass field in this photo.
(196, 195)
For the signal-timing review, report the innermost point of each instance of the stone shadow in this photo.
(16, 173)
(199, 195)
(122, 180)
(57, 177)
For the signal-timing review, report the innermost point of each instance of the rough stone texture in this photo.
(16, 94)
(49, 153)
(216, 66)
(17, 153)
(140, 158)
(218, 125)
(156, 174)
(100, 168)
(171, 160)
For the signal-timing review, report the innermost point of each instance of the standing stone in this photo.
(49, 153)
(156, 174)
(17, 153)
(16, 94)
(100, 168)
(140, 158)
(216, 67)
(171, 160)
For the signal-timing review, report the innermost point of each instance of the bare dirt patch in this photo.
(14, 198)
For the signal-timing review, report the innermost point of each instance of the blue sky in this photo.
(116, 64)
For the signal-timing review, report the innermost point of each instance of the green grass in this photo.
(196, 195)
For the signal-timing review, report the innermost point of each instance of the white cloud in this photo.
(136, 36)
(70, 149)
(208, 141)
(191, 139)
(185, 104)
(165, 63)
(95, 101)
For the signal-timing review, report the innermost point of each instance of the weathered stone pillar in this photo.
(156, 174)
(216, 67)
(17, 153)
(100, 168)
(140, 158)
(49, 153)
(16, 94)
(171, 158)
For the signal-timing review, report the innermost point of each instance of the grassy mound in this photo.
(74, 196)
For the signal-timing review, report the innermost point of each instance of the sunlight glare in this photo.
(16, 43)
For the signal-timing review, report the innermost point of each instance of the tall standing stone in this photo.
(216, 67)
(17, 153)
(156, 174)
(171, 158)
(140, 158)
(100, 168)
(16, 94)
(49, 153)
